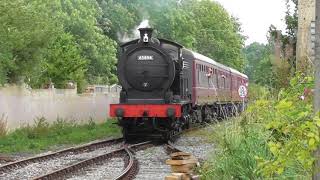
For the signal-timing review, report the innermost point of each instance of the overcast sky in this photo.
(256, 16)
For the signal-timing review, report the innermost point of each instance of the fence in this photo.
(21, 106)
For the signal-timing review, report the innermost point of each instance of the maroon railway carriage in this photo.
(214, 82)
(167, 88)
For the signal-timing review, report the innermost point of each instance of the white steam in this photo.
(134, 33)
(144, 24)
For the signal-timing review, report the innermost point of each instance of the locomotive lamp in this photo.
(119, 112)
(145, 38)
(145, 34)
(171, 112)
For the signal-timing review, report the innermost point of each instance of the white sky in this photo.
(256, 16)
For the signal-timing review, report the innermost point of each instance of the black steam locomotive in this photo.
(166, 88)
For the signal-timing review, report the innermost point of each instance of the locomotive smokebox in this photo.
(145, 34)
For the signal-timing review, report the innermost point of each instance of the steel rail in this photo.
(25, 162)
(66, 171)
(171, 148)
(128, 168)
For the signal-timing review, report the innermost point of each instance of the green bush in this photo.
(258, 92)
(239, 141)
(274, 138)
(294, 131)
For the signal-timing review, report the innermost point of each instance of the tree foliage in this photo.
(203, 26)
(59, 41)
(25, 34)
(258, 66)
(64, 62)
(80, 19)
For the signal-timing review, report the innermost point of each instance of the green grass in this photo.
(239, 143)
(236, 149)
(44, 136)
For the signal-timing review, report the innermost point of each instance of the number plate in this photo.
(145, 58)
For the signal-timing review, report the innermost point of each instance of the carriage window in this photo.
(214, 79)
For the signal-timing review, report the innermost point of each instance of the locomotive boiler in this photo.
(167, 88)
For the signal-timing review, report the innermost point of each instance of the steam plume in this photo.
(134, 33)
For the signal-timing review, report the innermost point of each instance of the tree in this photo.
(25, 32)
(176, 25)
(64, 63)
(80, 20)
(117, 20)
(258, 65)
(217, 34)
(204, 26)
(43, 35)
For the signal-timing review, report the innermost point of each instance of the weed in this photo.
(238, 145)
(3, 125)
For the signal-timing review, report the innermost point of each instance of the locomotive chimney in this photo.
(145, 34)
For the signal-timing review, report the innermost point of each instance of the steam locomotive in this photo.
(167, 88)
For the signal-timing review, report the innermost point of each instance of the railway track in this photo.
(171, 148)
(130, 168)
(129, 171)
(152, 161)
(75, 169)
(72, 152)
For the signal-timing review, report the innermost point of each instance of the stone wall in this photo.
(21, 106)
(306, 11)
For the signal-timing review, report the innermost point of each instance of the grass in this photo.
(236, 149)
(43, 136)
(3, 125)
(239, 144)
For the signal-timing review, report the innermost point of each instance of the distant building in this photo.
(103, 89)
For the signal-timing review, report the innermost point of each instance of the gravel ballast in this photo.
(40, 168)
(107, 170)
(152, 161)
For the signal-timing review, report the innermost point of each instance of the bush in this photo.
(239, 141)
(294, 131)
(258, 92)
(274, 138)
